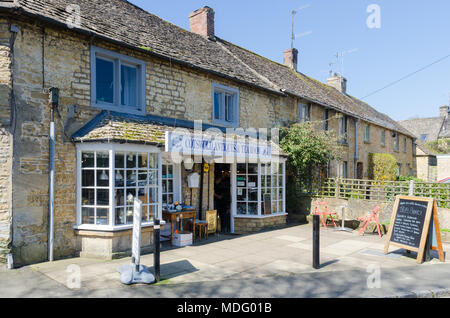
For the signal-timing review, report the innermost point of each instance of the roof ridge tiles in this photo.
(172, 42)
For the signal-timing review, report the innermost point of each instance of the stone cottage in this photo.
(121, 89)
(431, 129)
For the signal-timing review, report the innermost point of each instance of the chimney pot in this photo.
(291, 58)
(338, 82)
(202, 22)
(444, 111)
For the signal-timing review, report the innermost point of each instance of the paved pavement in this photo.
(269, 264)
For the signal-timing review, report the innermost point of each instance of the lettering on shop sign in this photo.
(206, 145)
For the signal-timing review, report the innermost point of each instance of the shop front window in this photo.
(167, 186)
(247, 188)
(95, 188)
(272, 187)
(110, 179)
(260, 189)
(136, 175)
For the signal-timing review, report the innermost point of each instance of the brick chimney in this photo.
(202, 22)
(291, 58)
(444, 111)
(339, 82)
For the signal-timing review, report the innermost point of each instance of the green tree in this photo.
(309, 149)
(382, 167)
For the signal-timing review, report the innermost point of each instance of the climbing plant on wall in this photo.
(309, 149)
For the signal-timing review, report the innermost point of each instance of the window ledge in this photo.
(93, 228)
(225, 124)
(243, 216)
(119, 109)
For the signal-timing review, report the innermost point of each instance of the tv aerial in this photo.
(340, 56)
(293, 35)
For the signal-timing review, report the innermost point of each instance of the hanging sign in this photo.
(415, 226)
(216, 146)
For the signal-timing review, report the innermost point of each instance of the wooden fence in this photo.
(381, 191)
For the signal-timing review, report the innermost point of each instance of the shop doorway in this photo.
(222, 195)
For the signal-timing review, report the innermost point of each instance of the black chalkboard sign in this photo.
(410, 224)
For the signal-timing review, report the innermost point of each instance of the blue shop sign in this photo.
(216, 146)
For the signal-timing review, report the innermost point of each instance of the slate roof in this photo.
(116, 127)
(424, 149)
(433, 127)
(445, 130)
(124, 23)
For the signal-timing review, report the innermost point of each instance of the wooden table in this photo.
(171, 216)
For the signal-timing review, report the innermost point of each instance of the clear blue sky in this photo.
(413, 34)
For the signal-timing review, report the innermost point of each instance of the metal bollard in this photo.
(316, 242)
(156, 253)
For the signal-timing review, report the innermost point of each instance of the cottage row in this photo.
(126, 89)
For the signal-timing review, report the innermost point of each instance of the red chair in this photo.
(324, 212)
(372, 217)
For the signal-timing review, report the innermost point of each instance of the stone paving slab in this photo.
(281, 252)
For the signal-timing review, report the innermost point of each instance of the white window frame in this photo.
(118, 60)
(218, 88)
(176, 181)
(247, 188)
(259, 201)
(112, 149)
(383, 138)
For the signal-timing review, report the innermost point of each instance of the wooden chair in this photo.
(207, 227)
(321, 209)
(211, 217)
(371, 217)
(201, 227)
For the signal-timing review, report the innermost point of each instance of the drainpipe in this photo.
(13, 31)
(356, 156)
(54, 97)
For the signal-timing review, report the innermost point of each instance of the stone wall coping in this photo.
(106, 234)
(259, 216)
